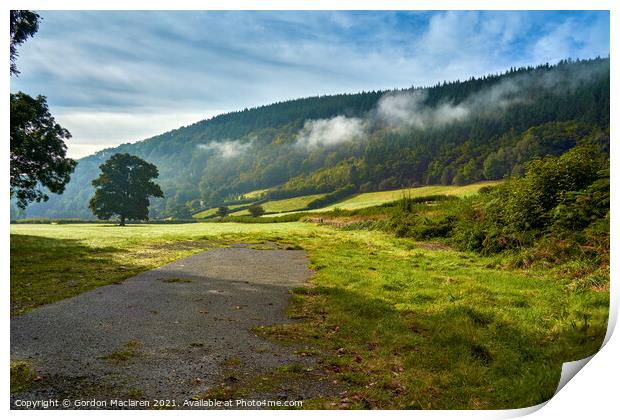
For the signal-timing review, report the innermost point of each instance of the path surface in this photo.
(178, 336)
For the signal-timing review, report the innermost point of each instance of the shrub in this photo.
(486, 189)
(256, 210)
(529, 201)
(222, 211)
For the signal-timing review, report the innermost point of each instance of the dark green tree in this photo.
(528, 203)
(256, 210)
(494, 166)
(123, 188)
(222, 211)
(38, 151)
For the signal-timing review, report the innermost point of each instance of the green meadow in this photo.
(399, 323)
(371, 199)
(381, 197)
(285, 205)
(212, 211)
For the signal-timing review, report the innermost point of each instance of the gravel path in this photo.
(167, 333)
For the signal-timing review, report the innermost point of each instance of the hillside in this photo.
(452, 133)
(363, 200)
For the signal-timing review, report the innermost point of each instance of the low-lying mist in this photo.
(409, 109)
(226, 149)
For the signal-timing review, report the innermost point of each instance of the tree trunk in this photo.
(122, 223)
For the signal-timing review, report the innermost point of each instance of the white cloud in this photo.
(572, 39)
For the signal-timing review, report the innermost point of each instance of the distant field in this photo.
(380, 197)
(356, 202)
(288, 204)
(205, 213)
(255, 194)
(211, 212)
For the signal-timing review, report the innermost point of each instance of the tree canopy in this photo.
(38, 151)
(24, 24)
(256, 210)
(222, 211)
(123, 188)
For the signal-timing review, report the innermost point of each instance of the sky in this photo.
(118, 77)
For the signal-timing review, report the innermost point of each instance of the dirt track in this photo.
(167, 333)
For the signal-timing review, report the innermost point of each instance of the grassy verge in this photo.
(398, 323)
(408, 326)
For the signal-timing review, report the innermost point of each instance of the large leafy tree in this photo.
(38, 150)
(123, 188)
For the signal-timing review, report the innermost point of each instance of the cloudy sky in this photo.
(117, 77)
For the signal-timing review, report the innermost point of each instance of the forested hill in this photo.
(452, 133)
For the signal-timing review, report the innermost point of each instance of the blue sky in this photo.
(116, 77)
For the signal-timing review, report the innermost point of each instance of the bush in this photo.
(558, 211)
(420, 228)
(486, 189)
(528, 202)
(222, 211)
(256, 210)
(580, 208)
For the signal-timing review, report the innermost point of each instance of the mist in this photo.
(226, 149)
(330, 132)
(408, 109)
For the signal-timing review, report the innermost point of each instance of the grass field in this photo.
(255, 194)
(376, 198)
(356, 202)
(381, 197)
(400, 324)
(205, 213)
(285, 205)
(212, 211)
